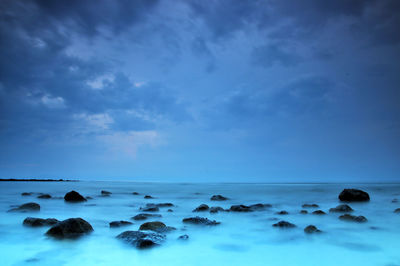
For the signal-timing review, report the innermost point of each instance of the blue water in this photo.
(241, 239)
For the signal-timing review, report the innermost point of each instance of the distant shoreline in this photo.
(37, 180)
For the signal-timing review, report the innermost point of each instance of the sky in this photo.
(200, 91)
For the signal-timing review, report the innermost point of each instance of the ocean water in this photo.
(240, 239)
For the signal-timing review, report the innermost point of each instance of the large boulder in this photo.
(74, 196)
(218, 198)
(350, 195)
(144, 216)
(70, 228)
(341, 208)
(199, 221)
(27, 207)
(202, 208)
(115, 224)
(353, 218)
(284, 224)
(156, 226)
(37, 222)
(142, 239)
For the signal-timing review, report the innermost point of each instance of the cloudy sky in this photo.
(192, 91)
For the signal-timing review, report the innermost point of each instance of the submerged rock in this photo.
(27, 207)
(142, 239)
(165, 204)
(170, 210)
(148, 197)
(144, 216)
(105, 193)
(341, 208)
(240, 208)
(303, 211)
(397, 210)
(70, 228)
(307, 205)
(216, 209)
(150, 209)
(37, 222)
(44, 196)
(395, 200)
(284, 224)
(353, 218)
(202, 208)
(311, 229)
(74, 196)
(282, 212)
(200, 221)
(135, 193)
(259, 206)
(318, 212)
(218, 198)
(26, 193)
(183, 237)
(115, 224)
(353, 195)
(156, 226)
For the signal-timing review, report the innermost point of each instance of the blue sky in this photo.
(193, 91)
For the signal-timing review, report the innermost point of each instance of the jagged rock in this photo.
(284, 224)
(142, 239)
(282, 212)
(341, 208)
(74, 196)
(311, 229)
(115, 224)
(156, 226)
(27, 207)
(303, 211)
(201, 208)
(353, 218)
(200, 221)
(44, 196)
(216, 209)
(70, 228)
(37, 222)
(307, 205)
(318, 212)
(353, 195)
(144, 216)
(218, 198)
(183, 237)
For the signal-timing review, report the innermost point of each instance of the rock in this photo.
(135, 193)
(144, 216)
(201, 208)
(74, 196)
(318, 212)
(148, 197)
(156, 226)
(353, 195)
(166, 204)
(115, 224)
(200, 221)
(105, 193)
(216, 209)
(311, 229)
(183, 237)
(26, 194)
(142, 239)
(37, 222)
(169, 210)
(284, 224)
(282, 212)
(44, 196)
(240, 208)
(218, 198)
(89, 198)
(353, 218)
(310, 205)
(70, 228)
(341, 208)
(27, 207)
(397, 210)
(395, 200)
(150, 209)
(303, 211)
(259, 206)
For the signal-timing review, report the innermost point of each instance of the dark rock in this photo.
(240, 208)
(341, 208)
(216, 209)
(105, 193)
(135, 193)
(284, 224)
(282, 212)
(200, 221)
(156, 226)
(353, 195)
(397, 210)
(310, 205)
(88, 197)
(169, 210)
(166, 204)
(311, 229)
(183, 237)
(150, 209)
(259, 206)
(142, 239)
(70, 228)
(201, 208)
(353, 218)
(44, 196)
(303, 211)
(318, 212)
(27, 207)
(395, 200)
(218, 198)
(144, 216)
(115, 224)
(74, 196)
(148, 197)
(37, 222)
(26, 194)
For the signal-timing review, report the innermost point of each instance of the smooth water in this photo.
(240, 239)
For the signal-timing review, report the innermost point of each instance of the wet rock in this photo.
(303, 211)
(170, 210)
(282, 212)
(44, 196)
(240, 208)
(259, 206)
(89, 198)
(311, 229)
(142, 240)
(284, 224)
(353, 195)
(395, 200)
(151, 208)
(199, 221)
(216, 209)
(37, 222)
(156, 226)
(341, 208)
(307, 205)
(183, 237)
(218, 198)
(115, 224)
(74, 196)
(70, 228)
(353, 218)
(319, 212)
(27, 207)
(144, 216)
(26, 194)
(135, 193)
(148, 197)
(105, 193)
(166, 204)
(202, 208)
(397, 210)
